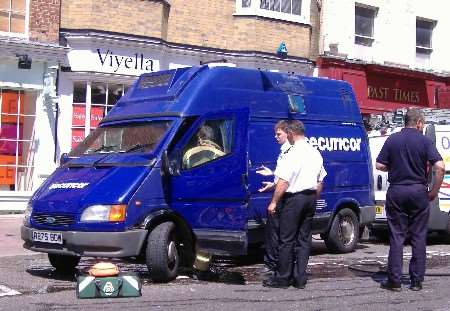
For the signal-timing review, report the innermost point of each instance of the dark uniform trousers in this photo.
(295, 236)
(407, 214)
(272, 236)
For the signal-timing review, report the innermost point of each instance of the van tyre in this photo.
(162, 254)
(344, 232)
(63, 263)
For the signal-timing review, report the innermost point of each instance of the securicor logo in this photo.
(335, 143)
(68, 185)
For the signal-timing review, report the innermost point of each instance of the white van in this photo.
(438, 129)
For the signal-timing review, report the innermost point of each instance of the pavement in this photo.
(10, 241)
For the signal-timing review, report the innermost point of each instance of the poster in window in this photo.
(7, 173)
(10, 104)
(79, 115)
(77, 137)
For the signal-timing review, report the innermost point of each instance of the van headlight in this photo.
(104, 213)
(27, 215)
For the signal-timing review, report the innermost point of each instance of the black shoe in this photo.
(415, 285)
(299, 285)
(396, 287)
(274, 283)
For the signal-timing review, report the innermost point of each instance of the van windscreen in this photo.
(123, 138)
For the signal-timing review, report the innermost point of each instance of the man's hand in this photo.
(265, 171)
(267, 185)
(271, 209)
(439, 171)
(381, 167)
(432, 195)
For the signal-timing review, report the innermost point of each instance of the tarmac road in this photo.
(337, 282)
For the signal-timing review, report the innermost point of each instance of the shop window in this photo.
(16, 139)
(290, 10)
(94, 99)
(211, 141)
(364, 24)
(424, 32)
(12, 16)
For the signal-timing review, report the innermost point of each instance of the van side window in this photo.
(212, 140)
(296, 103)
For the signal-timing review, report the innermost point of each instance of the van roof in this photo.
(194, 91)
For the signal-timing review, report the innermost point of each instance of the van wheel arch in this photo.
(343, 233)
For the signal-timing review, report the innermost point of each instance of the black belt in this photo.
(306, 192)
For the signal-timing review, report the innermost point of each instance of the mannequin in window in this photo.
(206, 148)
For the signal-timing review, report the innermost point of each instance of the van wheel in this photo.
(344, 232)
(162, 255)
(63, 263)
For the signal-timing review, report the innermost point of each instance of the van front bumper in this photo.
(89, 244)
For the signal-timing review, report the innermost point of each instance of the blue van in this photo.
(171, 170)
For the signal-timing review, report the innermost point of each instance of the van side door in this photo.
(210, 189)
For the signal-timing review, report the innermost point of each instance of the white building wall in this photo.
(394, 32)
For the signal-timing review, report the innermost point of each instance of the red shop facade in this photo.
(380, 88)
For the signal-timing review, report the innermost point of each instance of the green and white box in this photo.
(123, 285)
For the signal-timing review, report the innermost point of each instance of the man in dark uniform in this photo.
(272, 227)
(405, 156)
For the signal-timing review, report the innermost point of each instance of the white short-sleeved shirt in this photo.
(302, 167)
(283, 150)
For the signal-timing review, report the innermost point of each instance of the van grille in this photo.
(53, 220)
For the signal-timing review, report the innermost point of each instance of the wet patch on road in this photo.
(232, 270)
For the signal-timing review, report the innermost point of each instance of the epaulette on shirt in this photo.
(287, 150)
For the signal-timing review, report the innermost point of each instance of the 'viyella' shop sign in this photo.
(119, 63)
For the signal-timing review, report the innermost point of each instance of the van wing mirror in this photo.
(63, 158)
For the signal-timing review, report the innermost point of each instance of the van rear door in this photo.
(210, 189)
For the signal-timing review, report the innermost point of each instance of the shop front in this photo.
(382, 88)
(28, 73)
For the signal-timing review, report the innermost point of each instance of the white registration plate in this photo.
(47, 237)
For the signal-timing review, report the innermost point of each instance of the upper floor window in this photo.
(12, 16)
(290, 10)
(364, 24)
(284, 6)
(424, 32)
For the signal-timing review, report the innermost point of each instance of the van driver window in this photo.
(212, 140)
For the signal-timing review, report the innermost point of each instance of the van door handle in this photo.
(244, 181)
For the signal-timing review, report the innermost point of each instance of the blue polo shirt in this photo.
(406, 155)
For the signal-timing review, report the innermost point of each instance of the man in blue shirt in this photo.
(405, 156)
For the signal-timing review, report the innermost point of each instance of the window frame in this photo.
(26, 26)
(364, 39)
(187, 140)
(89, 105)
(255, 10)
(21, 142)
(425, 50)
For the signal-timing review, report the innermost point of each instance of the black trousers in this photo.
(272, 237)
(295, 236)
(407, 213)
